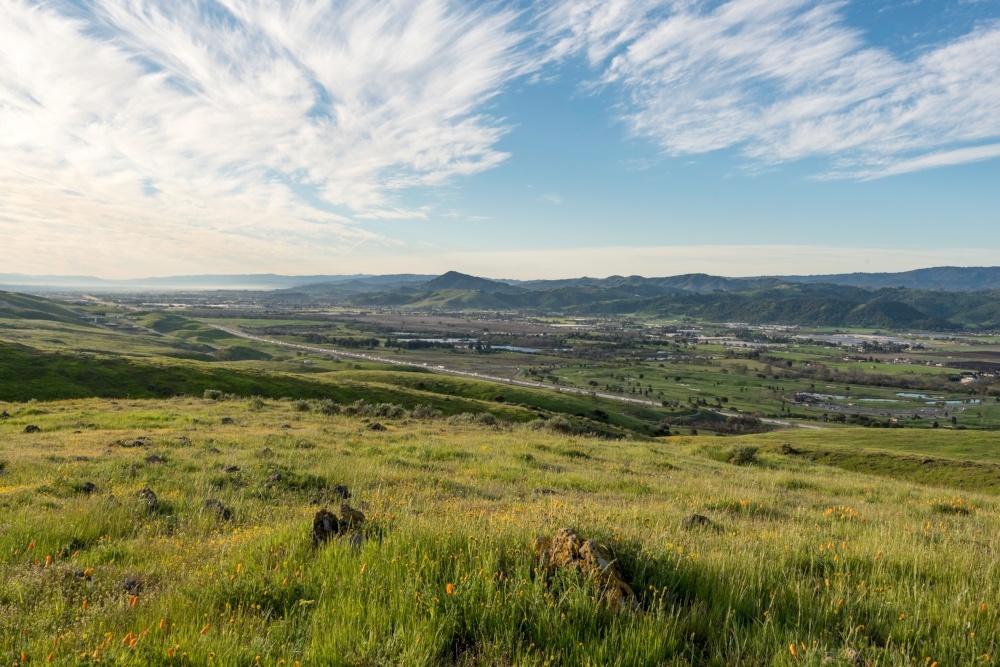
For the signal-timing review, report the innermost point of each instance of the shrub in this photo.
(486, 419)
(213, 394)
(327, 407)
(421, 411)
(560, 425)
(744, 455)
(301, 406)
(256, 403)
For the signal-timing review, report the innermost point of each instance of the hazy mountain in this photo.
(258, 281)
(948, 278)
(453, 280)
(952, 279)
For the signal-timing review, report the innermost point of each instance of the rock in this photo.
(356, 541)
(230, 469)
(4, 415)
(149, 499)
(377, 427)
(155, 459)
(131, 585)
(567, 550)
(788, 450)
(350, 515)
(221, 511)
(340, 491)
(326, 526)
(273, 478)
(31, 428)
(228, 420)
(265, 453)
(696, 521)
(88, 488)
(112, 501)
(286, 426)
(213, 450)
(82, 575)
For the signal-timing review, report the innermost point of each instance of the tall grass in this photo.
(843, 567)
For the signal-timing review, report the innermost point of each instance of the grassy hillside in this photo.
(26, 374)
(803, 564)
(27, 307)
(756, 302)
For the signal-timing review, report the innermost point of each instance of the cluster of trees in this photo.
(322, 339)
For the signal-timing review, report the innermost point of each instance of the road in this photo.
(477, 376)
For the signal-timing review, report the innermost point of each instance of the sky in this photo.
(516, 139)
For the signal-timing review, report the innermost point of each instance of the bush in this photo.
(421, 411)
(256, 403)
(560, 425)
(301, 406)
(486, 419)
(213, 394)
(327, 407)
(358, 407)
(744, 455)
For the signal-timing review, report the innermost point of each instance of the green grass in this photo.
(830, 561)
(964, 460)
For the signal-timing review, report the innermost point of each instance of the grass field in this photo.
(805, 564)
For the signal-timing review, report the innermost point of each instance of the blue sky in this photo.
(518, 139)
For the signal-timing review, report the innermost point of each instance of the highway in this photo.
(477, 376)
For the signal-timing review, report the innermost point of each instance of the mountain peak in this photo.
(453, 280)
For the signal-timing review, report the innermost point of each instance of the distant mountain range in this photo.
(948, 278)
(259, 281)
(768, 300)
(971, 300)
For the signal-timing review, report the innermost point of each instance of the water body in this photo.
(473, 341)
(933, 400)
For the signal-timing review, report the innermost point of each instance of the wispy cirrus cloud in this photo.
(784, 80)
(259, 125)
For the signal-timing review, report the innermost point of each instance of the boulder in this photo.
(155, 459)
(31, 428)
(228, 420)
(326, 526)
(131, 585)
(696, 521)
(149, 499)
(221, 511)
(88, 488)
(4, 415)
(567, 550)
(349, 515)
(377, 427)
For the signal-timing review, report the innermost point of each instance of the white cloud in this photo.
(783, 80)
(206, 127)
